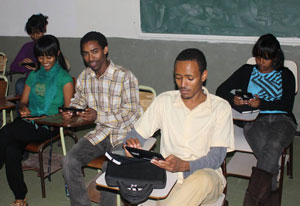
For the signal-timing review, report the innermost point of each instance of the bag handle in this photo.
(133, 193)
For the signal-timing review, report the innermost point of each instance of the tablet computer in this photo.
(144, 154)
(31, 64)
(71, 109)
(244, 95)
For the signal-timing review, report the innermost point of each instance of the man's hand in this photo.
(132, 142)
(88, 114)
(172, 164)
(254, 102)
(66, 115)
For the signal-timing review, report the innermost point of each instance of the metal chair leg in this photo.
(42, 174)
(289, 169)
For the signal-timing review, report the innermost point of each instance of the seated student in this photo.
(196, 129)
(109, 94)
(47, 88)
(35, 27)
(273, 88)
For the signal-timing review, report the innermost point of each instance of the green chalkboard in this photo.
(221, 17)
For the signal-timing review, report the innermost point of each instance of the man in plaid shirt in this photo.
(110, 96)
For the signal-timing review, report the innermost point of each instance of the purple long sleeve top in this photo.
(25, 52)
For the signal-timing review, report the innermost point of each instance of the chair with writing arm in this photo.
(3, 66)
(3, 93)
(3, 63)
(243, 159)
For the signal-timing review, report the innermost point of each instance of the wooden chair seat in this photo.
(35, 147)
(97, 163)
(92, 190)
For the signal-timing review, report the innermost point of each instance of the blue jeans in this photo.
(80, 155)
(19, 86)
(268, 136)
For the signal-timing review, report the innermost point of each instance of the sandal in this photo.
(19, 203)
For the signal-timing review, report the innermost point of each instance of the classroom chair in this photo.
(3, 63)
(3, 93)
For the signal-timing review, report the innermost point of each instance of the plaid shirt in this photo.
(115, 97)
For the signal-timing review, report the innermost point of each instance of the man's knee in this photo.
(203, 176)
(202, 186)
(69, 163)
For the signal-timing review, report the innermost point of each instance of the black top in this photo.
(240, 80)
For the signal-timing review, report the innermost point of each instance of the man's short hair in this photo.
(268, 47)
(93, 36)
(193, 54)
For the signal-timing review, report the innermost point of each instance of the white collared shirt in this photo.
(188, 134)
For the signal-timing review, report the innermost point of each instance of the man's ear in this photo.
(105, 50)
(204, 75)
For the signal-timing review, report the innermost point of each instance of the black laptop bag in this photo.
(136, 178)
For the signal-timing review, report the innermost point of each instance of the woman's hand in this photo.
(28, 60)
(239, 101)
(254, 102)
(24, 111)
(89, 114)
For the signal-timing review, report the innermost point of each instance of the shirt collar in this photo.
(206, 105)
(109, 72)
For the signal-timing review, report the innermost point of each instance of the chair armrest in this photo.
(13, 98)
(149, 143)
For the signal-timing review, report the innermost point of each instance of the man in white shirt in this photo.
(196, 132)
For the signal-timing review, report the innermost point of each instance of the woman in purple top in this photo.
(35, 28)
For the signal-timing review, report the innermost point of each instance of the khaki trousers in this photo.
(202, 187)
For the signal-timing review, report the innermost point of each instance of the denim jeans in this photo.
(80, 155)
(19, 86)
(268, 136)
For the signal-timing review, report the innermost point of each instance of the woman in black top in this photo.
(273, 89)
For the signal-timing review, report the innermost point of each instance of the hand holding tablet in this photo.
(71, 109)
(144, 154)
